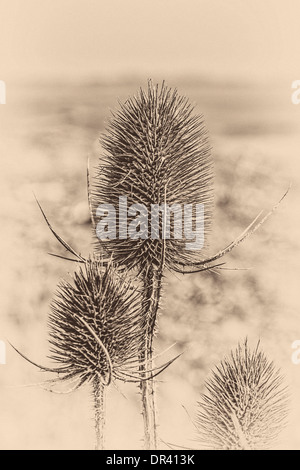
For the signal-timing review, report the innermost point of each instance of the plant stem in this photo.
(243, 443)
(152, 288)
(99, 403)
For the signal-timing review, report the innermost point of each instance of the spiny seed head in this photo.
(157, 152)
(96, 325)
(246, 404)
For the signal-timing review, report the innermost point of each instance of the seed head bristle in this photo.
(157, 152)
(246, 404)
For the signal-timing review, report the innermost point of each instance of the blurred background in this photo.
(66, 64)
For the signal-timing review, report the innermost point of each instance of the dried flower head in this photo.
(97, 328)
(157, 152)
(246, 404)
(97, 334)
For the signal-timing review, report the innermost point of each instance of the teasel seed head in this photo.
(156, 152)
(96, 325)
(246, 404)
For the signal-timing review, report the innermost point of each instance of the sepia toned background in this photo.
(66, 64)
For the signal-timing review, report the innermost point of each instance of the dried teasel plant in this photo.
(156, 153)
(246, 404)
(96, 333)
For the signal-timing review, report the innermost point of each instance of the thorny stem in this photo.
(241, 436)
(99, 403)
(152, 288)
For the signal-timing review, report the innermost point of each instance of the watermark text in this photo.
(2, 92)
(296, 93)
(177, 221)
(2, 352)
(296, 354)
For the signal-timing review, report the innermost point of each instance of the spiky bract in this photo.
(157, 152)
(96, 326)
(246, 404)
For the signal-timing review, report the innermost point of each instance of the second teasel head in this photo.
(156, 153)
(96, 325)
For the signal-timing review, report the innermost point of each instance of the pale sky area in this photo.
(62, 38)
